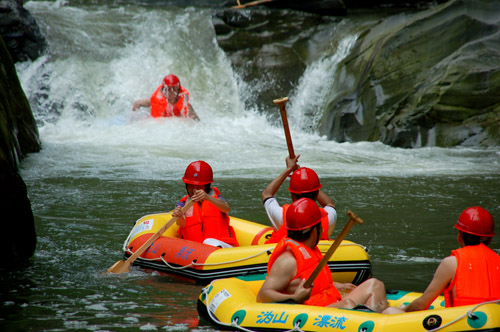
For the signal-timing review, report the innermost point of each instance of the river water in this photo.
(103, 166)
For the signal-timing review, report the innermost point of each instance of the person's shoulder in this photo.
(331, 211)
(448, 265)
(329, 208)
(449, 260)
(271, 201)
(286, 258)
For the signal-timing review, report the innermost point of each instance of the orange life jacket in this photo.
(477, 278)
(277, 235)
(207, 221)
(161, 108)
(323, 292)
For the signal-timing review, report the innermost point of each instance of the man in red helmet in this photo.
(169, 99)
(207, 221)
(296, 256)
(471, 275)
(304, 182)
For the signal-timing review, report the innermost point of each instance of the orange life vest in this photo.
(277, 235)
(477, 278)
(207, 221)
(161, 108)
(323, 292)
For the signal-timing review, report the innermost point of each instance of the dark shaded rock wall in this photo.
(18, 237)
(20, 32)
(17, 125)
(18, 136)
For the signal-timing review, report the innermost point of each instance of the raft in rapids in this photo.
(231, 304)
(203, 263)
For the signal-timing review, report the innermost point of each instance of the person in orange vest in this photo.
(207, 220)
(471, 275)
(296, 256)
(169, 99)
(304, 182)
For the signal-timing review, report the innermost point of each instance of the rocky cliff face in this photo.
(429, 80)
(18, 136)
(422, 77)
(20, 32)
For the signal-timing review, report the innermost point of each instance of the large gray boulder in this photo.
(430, 80)
(428, 76)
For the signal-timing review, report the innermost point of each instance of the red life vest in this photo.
(207, 221)
(161, 108)
(277, 235)
(477, 278)
(323, 292)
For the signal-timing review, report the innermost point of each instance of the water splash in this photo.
(103, 58)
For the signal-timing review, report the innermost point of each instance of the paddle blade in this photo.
(119, 267)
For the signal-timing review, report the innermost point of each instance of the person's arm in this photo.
(273, 187)
(177, 213)
(344, 286)
(274, 212)
(327, 203)
(201, 195)
(141, 103)
(192, 114)
(325, 200)
(278, 280)
(442, 277)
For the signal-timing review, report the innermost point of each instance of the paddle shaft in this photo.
(124, 267)
(352, 219)
(253, 3)
(288, 137)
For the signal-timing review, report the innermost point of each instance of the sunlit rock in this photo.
(427, 76)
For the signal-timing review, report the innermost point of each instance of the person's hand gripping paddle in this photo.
(352, 219)
(123, 266)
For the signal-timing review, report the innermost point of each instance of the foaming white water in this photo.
(103, 58)
(309, 102)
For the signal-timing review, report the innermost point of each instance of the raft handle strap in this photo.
(234, 323)
(469, 313)
(193, 263)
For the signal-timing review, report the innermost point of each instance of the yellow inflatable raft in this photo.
(203, 263)
(231, 304)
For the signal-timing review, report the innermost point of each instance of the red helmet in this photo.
(476, 221)
(198, 173)
(171, 80)
(304, 180)
(302, 214)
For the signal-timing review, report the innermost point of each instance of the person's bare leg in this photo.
(370, 293)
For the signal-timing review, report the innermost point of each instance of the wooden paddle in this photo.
(253, 3)
(352, 219)
(123, 266)
(282, 102)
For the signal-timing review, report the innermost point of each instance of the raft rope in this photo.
(469, 314)
(296, 328)
(234, 323)
(194, 263)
